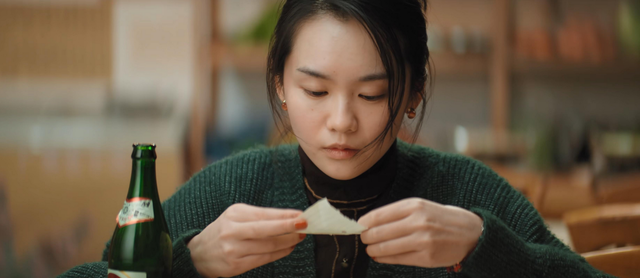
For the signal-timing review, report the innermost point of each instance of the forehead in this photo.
(335, 46)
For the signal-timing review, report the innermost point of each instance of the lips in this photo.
(340, 151)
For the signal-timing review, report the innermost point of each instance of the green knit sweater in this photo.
(515, 241)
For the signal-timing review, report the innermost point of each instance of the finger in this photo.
(408, 258)
(391, 212)
(269, 228)
(394, 247)
(269, 245)
(389, 231)
(253, 261)
(247, 213)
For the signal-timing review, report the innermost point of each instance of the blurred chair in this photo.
(536, 190)
(7, 256)
(531, 184)
(621, 188)
(568, 190)
(622, 262)
(596, 227)
(52, 254)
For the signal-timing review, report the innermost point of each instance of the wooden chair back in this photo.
(531, 184)
(621, 262)
(595, 227)
(621, 188)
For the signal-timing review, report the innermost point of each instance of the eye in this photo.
(372, 98)
(314, 94)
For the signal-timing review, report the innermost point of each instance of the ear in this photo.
(415, 99)
(280, 88)
(417, 94)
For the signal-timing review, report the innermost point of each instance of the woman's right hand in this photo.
(245, 237)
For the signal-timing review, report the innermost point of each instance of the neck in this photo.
(369, 184)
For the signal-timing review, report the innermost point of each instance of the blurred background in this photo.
(546, 92)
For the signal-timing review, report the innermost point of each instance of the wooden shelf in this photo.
(618, 69)
(254, 58)
(449, 64)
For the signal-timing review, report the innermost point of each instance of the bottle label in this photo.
(135, 210)
(112, 273)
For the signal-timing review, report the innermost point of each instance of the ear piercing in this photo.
(411, 113)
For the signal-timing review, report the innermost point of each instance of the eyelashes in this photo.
(365, 97)
(314, 94)
(373, 98)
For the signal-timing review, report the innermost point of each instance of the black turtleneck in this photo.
(346, 256)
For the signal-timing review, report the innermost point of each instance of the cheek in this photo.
(304, 119)
(376, 119)
(300, 122)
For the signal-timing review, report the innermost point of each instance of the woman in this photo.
(342, 76)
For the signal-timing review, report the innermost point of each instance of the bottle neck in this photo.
(143, 179)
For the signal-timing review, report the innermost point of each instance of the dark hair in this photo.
(396, 27)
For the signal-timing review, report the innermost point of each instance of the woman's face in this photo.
(336, 90)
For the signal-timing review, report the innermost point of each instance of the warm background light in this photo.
(546, 92)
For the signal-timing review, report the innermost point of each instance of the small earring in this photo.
(411, 113)
(284, 105)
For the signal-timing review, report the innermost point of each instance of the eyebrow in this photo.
(368, 77)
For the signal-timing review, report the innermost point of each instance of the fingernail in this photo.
(302, 236)
(302, 224)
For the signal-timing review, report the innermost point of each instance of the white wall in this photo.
(158, 54)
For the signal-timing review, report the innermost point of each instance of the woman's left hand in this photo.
(418, 232)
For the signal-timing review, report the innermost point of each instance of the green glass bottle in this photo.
(141, 245)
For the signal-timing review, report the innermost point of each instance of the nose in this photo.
(342, 118)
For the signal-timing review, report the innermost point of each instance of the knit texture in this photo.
(515, 241)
